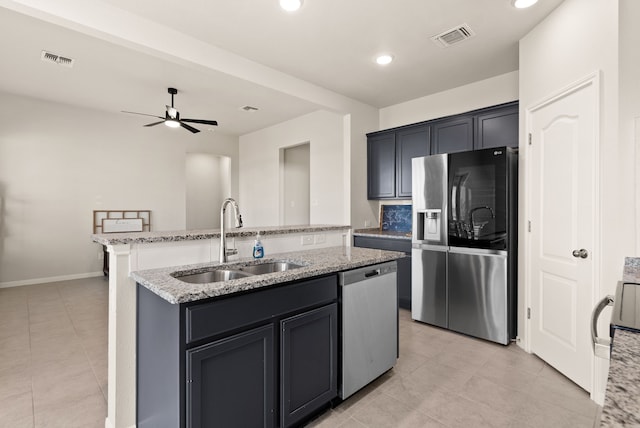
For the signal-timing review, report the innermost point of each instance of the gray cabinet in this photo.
(411, 143)
(227, 372)
(403, 264)
(453, 135)
(497, 128)
(381, 166)
(389, 157)
(266, 358)
(389, 152)
(308, 360)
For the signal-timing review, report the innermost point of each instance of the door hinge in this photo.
(528, 313)
(529, 138)
(529, 225)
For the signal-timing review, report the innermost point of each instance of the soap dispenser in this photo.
(258, 250)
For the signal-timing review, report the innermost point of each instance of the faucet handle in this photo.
(239, 221)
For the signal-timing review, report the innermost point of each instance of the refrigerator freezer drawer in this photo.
(478, 298)
(429, 286)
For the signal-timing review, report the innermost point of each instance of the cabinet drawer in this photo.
(227, 314)
(403, 245)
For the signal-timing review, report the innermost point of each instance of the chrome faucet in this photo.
(223, 238)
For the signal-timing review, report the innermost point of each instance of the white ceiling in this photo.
(222, 55)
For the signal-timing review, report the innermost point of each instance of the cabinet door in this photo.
(497, 128)
(410, 143)
(230, 382)
(308, 363)
(381, 166)
(452, 135)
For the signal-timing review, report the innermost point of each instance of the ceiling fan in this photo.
(172, 117)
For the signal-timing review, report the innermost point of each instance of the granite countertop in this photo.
(187, 235)
(315, 263)
(377, 233)
(622, 399)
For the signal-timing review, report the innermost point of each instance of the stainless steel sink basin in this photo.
(216, 275)
(269, 267)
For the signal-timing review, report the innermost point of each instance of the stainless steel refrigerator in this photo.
(464, 242)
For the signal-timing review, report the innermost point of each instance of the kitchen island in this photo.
(130, 252)
(259, 350)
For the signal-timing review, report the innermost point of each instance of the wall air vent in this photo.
(57, 59)
(453, 36)
(249, 108)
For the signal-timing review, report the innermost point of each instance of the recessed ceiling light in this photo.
(522, 4)
(291, 5)
(384, 59)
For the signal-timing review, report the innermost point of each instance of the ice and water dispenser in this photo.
(429, 223)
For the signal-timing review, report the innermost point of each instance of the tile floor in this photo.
(53, 372)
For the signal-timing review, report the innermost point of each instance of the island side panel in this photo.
(159, 393)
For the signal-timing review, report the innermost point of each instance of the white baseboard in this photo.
(49, 279)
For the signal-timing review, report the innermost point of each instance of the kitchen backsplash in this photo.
(396, 218)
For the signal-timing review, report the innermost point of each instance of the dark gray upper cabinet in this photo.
(389, 152)
(497, 128)
(410, 143)
(452, 135)
(381, 166)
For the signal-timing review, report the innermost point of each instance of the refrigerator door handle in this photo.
(600, 345)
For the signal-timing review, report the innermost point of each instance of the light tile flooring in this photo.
(53, 354)
(53, 372)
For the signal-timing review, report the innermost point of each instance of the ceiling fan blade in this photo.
(190, 128)
(155, 123)
(142, 114)
(205, 122)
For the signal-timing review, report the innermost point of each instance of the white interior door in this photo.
(563, 209)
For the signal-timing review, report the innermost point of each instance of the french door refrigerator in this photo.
(464, 242)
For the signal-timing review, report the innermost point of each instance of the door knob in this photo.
(581, 253)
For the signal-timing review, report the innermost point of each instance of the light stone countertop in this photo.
(377, 233)
(622, 399)
(315, 263)
(187, 235)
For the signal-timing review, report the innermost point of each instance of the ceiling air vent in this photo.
(57, 59)
(249, 108)
(453, 36)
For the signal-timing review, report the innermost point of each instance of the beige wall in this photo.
(260, 189)
(59, 163)
(484, 93)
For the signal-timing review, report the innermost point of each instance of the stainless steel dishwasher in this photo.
(369, 324)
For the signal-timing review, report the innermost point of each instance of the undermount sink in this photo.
(269, 267)
(216, 274)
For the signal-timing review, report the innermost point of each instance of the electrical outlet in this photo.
(320, 239)
(307, 239)
(367, 223)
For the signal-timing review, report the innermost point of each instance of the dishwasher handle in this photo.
(371, 273)
(600, 345)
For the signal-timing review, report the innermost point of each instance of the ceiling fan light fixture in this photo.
(291, 5)
(171, 123)
(384, 59)
(523, 4)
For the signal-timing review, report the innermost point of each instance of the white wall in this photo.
(208, 184)
(484, 93)
(629, 11)
(259, 194)
(296, 177)
(578, 38)
(59, 163)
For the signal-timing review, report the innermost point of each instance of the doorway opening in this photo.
(208, 183)
(295, 184)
